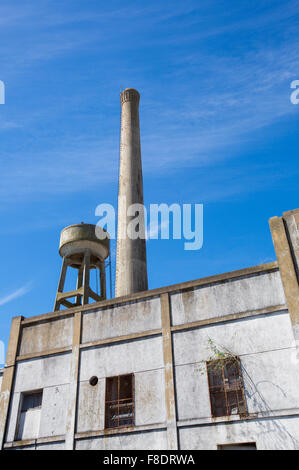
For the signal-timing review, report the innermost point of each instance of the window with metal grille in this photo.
(226, 387)
(119, 401)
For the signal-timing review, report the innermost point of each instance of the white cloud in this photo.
(17, 293)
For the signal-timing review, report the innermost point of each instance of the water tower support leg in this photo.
(103, 280)
(79, 284)
(61, 283)
(86, 266)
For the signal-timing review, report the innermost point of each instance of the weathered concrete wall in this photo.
(149, 401)
(91, 406)
(150, 397)
(122, 358)
(46, 335)
(142, 357)
(52, 375)
(121, 320)
(53, 415)
(263, 339)
(37, 373)
(265, 345)
(269, 434)
(228, 297)
(153, 440)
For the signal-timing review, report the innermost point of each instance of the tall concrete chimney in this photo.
(131, 266)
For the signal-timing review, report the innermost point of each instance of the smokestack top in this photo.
(129, 94)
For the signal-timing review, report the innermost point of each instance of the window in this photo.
(243, 446)
(226, 387)
(119, 401)
(29, 419)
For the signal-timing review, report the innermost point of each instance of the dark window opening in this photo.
(226, 387)
(32, 400)
(243, 446)
(119, 401)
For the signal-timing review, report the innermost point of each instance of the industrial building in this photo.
(210, 363)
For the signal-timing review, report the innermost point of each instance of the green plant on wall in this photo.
(217, 357)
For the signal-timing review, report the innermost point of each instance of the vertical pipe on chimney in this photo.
(131, 266)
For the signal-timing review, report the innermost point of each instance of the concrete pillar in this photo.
(131, 266)
(73, 388)
(291, 220)
(172, 435)
(8, 376)
(285, 234)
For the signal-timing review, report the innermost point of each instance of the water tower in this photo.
(83, 247)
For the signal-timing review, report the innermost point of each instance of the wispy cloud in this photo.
(59, 171)
(194, 130)
(17, 293)
(204, 109)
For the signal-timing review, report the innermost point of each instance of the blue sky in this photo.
(217, 127)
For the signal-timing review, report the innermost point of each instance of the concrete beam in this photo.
(218, 278)
(8, 375)
(148, 333)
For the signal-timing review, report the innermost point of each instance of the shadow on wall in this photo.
(277, 435)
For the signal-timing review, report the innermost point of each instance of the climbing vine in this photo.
(217, 357)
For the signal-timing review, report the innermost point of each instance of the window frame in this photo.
(224, 388)
(132, 402)
(20, 410)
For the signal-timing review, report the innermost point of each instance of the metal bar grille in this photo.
(119, 401)
(226, 387)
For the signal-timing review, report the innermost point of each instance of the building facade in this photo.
(147, 356)
(207, 364)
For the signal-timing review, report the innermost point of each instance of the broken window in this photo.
(29, 419)
(226, 387)
(119, 401)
